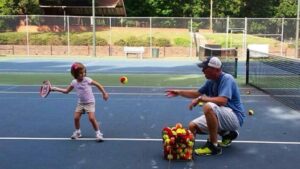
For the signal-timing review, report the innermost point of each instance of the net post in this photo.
(247, 66)
(235, 67)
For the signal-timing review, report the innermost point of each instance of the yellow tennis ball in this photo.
(165, 137)
(200, 104)
(170, 157)
(123, 79)
(167, 141)
(251, 112)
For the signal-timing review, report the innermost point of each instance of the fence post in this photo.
(27, 34)
(68, 28)
(150, 27)
(247, 66)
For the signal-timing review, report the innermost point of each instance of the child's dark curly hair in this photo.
(76, 68)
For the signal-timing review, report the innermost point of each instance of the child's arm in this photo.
(101, 88)
(62, 90)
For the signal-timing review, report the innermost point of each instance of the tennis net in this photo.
(275, 75)
(228, 56)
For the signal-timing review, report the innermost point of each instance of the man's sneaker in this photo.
(99, 136)
(227, 139)
(76, 135)
(208, 149)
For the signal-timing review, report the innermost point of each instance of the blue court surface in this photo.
(35, 132)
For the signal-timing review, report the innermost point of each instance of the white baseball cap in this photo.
(214, 62)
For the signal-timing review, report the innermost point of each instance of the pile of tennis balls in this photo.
(178, 143)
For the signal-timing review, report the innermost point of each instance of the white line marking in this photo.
(142, 139)
(147, 94)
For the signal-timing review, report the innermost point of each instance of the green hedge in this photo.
(50, 39)
(135, 41)
(84, 39)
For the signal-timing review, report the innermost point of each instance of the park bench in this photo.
(138, 51)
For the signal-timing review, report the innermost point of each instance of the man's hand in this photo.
(195, 102)
(171, 93)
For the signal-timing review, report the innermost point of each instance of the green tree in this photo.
(138, 8)
(259, 8)
(19, 7)
(224, 8)
(286, 8)
(178, 8)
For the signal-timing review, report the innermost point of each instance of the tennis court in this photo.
(35, 132)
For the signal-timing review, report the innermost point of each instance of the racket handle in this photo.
(53, 89)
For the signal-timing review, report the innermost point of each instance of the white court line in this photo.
(142, 140)
(118, 93)
(196, 87)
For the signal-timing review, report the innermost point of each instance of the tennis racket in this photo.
(45, 88)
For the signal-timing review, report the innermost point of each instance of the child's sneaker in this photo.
(76, 135)
(227, 139)
(99, 136)
(208, 149)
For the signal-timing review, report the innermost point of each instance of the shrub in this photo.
(134, 41)
(120, 42)
(182, 42)
(101, 42)
(161, 42)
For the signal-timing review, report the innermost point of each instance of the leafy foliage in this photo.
(176, 8)
(19, 7)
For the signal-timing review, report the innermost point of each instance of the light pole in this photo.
(211, 15)
(297, 30)
(94, 29)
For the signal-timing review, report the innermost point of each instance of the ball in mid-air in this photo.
(123, 79)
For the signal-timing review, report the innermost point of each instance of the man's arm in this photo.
(219, 100)
(183, 93)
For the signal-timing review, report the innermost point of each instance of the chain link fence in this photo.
(159, 37)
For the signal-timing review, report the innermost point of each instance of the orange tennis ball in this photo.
(123, 79)
(178, 125)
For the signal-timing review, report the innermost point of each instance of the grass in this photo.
(153, 80)
(237, 39)
(118, 33)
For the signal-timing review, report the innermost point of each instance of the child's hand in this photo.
(105, 96)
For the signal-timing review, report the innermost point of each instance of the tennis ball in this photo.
(190, 144)
(170, 157)
(165, 137)
(167, 141)
(178, 125)
(172, 140)
(123, 79)
(200, 104)
(251, 112)
(248, 92)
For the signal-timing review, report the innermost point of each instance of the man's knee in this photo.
(207, 109)
(194, 128)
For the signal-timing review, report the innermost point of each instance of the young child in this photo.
(86, 98)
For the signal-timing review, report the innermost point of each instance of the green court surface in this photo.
(190, 80)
